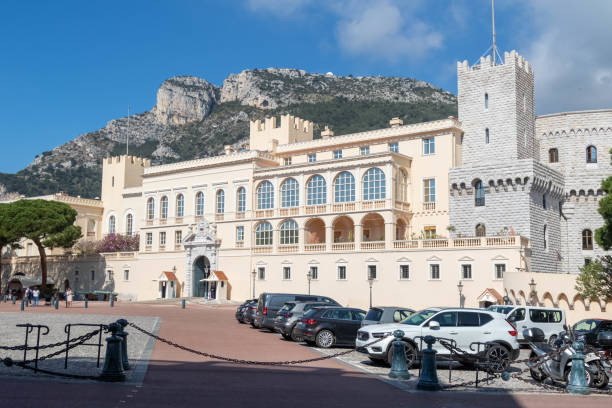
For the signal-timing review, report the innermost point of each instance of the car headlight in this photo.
(380, 335)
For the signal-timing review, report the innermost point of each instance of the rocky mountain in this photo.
(194, 118)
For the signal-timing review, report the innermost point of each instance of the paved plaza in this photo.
(175, 377)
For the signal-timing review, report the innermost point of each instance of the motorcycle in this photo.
(559, 365)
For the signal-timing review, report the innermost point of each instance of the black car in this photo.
(590, 329)
(330, 326)
(240, 310)
(270, 303)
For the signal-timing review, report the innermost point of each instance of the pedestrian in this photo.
(29, 296)
(68, 297)
(36, 295)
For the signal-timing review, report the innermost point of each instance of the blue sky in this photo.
(68, 67)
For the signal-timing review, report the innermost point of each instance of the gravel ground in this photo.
(82, 359)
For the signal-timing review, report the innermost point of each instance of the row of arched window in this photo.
(591, 154)
(373, 188)
(288, 233)
(129, 224)
(199, 204)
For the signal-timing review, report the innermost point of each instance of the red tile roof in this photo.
(221, 276)
(493, 293)
(170, 276)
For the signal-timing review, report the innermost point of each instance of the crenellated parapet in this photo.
(511, 58)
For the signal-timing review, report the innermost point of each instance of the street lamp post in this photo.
(460, 289)
(370, 282)
(309, 277)
(532, 286)
(253, 273)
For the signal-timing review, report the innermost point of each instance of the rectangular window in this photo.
(92, 275)
(364, 150)
(499, 271)
(178, 237)
(429, 190)
(240, 233)
(286, 273)
(162, 238)
(109, 275)
(341, 272)
(404, 272)
(261, 273)
(149, 239)
(314, 272)
(312, 157)
(337, 154)
(434, 271)
(429, 232)
(429, 145)
(394, 147)
(287, 161)
(126, 274)
(371, 272)
(466, 271)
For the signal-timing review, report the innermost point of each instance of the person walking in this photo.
(68, 297)
(29, 296)
(36, 295)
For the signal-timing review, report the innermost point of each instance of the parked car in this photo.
(249, 314)
(330, 326)
(240, 310)
(548, 319)
(386, 314)
(270, 303)
(590, 329)
(465, 326)
(289, 315)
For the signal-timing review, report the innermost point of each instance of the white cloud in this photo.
(570, 52)
(380, 29)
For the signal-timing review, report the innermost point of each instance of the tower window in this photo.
(544, 201)
(553, 155)
(591, 154)
(487, 135)
(486, 101)
(545, 236)
(479, 198)
(587, 239)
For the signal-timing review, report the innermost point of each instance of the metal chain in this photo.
(43, 347)
(250, 362)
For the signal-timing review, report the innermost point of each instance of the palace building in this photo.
(495, 199)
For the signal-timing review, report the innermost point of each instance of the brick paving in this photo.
(177, 378)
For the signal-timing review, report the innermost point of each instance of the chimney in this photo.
(327, 133)
(395, 122)
(229, 149)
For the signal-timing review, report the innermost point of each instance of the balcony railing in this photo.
(370, 245)
(314, 247)
(240, 215)
(435, 243)
(343, 246)
(284, 212)
(288, 248)
(343, 207)
(239, 244)
(316, 209)
(403, 244)
(370, 205)
(466, 242)
(431, 206)
(403, 206)
(262, 250)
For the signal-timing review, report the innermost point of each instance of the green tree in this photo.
(595, 279)
(47, 224)
(603, 235)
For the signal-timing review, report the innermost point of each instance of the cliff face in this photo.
(194, 118)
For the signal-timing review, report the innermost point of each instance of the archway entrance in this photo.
(201, 270)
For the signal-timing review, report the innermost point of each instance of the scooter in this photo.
(559, 366)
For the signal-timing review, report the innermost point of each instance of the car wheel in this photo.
(325, 339)
(286, 336)
(499, 358)
(552, 339)
(409, 352)
(295, 337)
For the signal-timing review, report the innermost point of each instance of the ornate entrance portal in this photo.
(202, 249)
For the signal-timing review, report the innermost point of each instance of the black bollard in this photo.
(429, 375)
(399, 368)
(122, 333)
(183, 303)
(22, 304)
(85, 303)
(113, 368)
(14, 299)
(112, 301)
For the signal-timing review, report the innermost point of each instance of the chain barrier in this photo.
(43, 347)
(248, 362)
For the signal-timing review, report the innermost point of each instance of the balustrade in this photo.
(314, 247)
(370, 245)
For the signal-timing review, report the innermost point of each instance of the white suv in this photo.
(465, 326)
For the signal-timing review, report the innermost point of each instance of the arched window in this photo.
(479, 196)
(374, 187)
(553, 155)
(290, 193)
(344, 188)
(180, 205)
(545, 236)
(587, 239)
(487, 135)
(402, 186)
(289, 233)
(220, 202)
(591, 154)
(316, 190)
(163, 208)
(263, 234)
(486, 101)
(481, 231)
(150, 208)
(241, 200)
(129, 225)
(199, 204)
(111, 224)
(265, 196)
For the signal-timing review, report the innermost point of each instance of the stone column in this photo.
(329, 237)
(389, 234)
(358, 236)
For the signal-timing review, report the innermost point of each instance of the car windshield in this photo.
(287, 307)
(501, 309)
(419, 317)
